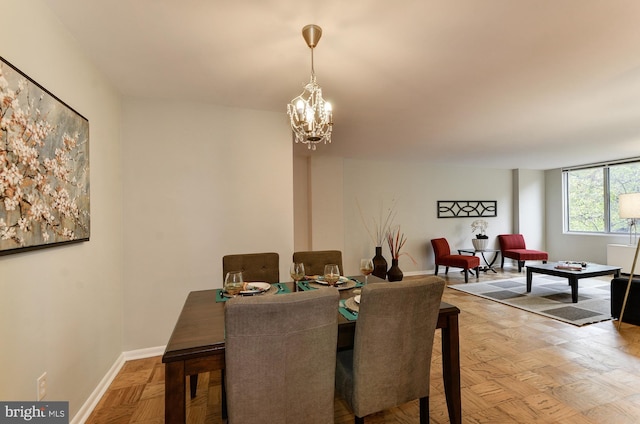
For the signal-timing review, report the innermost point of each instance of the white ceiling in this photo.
(533, 84)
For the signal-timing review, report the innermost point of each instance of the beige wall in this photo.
(326, 203)
(174, 187)
(416, 188)
(200, 184)
(301, 225)
(61, 308)
(529, 210)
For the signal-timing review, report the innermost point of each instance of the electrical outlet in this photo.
(42, 386)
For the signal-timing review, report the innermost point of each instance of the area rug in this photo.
(550, 296)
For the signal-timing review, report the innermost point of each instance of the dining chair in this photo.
(390, 362)
(280, 356)
(254, 266)
(513, 246)
(442, 256)
(315, 260)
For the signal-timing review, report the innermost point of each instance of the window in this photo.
(591, 196)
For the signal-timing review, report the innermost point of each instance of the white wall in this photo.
(61, 307)
(200, 183)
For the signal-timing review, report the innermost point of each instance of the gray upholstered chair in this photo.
(280, 356)
(314, 261)
(254, 266)
(391, 358)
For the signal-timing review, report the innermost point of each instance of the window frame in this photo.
(606, 167)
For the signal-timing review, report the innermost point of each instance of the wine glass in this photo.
(233, 283)
(331, 274)
(297, 271)
(366, 268)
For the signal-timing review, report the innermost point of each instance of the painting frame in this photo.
(44, 167)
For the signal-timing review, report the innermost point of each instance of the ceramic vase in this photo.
(479, 244)
(379, 264)
(394, 273)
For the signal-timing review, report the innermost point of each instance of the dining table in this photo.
(197, 345)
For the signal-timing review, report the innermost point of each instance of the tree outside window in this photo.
(592, 197)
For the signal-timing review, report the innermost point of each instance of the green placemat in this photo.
(282, 288)
(358, 282)
(351, 316)
(304, 286)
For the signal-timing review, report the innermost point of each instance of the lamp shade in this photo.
(629, 205)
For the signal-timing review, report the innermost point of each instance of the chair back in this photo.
(314, 261)
(511, 241)
(280, 357)
(393, 343)
(254, 266)
(440, 248)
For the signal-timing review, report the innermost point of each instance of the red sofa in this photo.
(513, 246)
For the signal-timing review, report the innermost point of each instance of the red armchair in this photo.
(512, 246)
(443, 256)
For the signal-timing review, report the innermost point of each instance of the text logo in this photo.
(34, 412)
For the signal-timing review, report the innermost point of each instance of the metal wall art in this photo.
(467, 208)
(44, 166)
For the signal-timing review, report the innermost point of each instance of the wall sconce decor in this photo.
(467, 208)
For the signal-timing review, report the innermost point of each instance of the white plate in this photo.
(342, 280)
(255, 287)
(356, 299)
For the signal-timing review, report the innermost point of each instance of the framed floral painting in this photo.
(44, 166)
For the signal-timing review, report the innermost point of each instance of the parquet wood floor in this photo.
(517, 367)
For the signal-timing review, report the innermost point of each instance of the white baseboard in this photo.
(424, 272)
(87, 408)
(143, 353)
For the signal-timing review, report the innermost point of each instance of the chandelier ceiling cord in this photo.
(311, 116)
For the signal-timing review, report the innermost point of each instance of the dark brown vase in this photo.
(394, 273)
(379, 264)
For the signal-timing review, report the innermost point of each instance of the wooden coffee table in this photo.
(591, 270)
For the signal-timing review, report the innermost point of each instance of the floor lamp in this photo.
(629, 205)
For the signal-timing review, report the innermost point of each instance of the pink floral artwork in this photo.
(44, 166)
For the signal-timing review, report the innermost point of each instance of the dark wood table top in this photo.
(199, 330)
(589, 270)
(197, 345)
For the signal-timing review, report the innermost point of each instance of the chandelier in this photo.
(311, 116)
